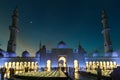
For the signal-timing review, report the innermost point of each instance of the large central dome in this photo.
(61, 44)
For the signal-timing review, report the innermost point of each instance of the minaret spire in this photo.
(107, 41)
(13, 32)
(40, 46)
(15, 17)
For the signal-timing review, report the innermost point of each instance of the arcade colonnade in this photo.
(105, 65)
(19, 67)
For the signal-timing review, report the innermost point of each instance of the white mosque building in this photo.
(60, 57)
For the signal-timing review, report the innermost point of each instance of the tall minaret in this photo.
(107, 42)
(13, 32)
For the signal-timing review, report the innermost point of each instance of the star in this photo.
(31, 22)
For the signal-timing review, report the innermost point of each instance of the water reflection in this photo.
(76, 76)
(104, 72)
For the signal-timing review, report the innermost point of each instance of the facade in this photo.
(61, 57)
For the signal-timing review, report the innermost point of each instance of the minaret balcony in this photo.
(104, 30)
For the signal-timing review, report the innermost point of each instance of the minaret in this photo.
(107, 42)
(13, 32)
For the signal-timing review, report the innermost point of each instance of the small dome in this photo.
(12, 54)
(118, 52)
(37, 54)
(115, 54)
(25, 54)
(95, 54)
(3, 53)
(61, 44)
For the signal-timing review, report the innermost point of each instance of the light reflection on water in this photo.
(104, 72)
(77, 76)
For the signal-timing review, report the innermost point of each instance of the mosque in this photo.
(60, 57)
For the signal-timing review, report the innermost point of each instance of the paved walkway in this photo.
(44, 74)
(77, 76)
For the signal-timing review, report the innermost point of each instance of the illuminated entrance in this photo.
(62, 63)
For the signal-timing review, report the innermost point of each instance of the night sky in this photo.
(51, 21)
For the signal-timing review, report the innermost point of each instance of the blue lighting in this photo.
(114, 54)
(25, 54)
(62, 44)
(37, 54)
(3, 53)
(12, 54)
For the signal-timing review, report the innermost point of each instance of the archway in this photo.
(62, 63)
(48, 65)
(76, 65)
